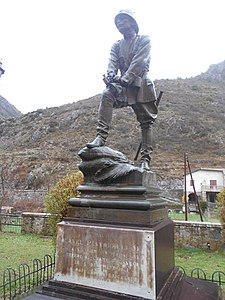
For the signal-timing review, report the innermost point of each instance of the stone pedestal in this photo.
(122, 260)
(135, 201)
(116, 241)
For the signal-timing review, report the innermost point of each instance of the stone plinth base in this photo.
(116, 240)
(135, 201)
(135, 262)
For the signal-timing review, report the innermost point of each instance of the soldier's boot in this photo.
(104, 120)
(145, 164)
(97, 142)
(146, 149)
(102, 134)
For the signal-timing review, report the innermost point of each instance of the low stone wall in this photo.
(202, 235)
(25, 195)
(35, 223)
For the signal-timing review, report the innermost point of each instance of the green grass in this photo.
(13, 224)
(11, 228)
(191, 258)
(209, 262)
(16, 249)
(191, 217)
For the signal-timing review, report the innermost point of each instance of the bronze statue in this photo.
(131, 57)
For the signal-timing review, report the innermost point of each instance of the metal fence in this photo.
(11, 223)
(216, 277)
(26, 278)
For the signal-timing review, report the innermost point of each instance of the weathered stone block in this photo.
(133, 261)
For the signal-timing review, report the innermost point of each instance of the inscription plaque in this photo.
(116, 259)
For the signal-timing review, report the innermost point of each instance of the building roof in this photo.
(208, 170)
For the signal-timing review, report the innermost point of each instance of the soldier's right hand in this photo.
(110, 76)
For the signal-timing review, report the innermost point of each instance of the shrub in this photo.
(195, 88)
(203, 205)
(174, 206)
(221, 209)
(56, 201)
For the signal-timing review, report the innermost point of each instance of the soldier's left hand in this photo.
(123, 83)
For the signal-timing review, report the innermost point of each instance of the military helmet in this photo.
(129, 13)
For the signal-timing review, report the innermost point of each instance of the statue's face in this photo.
(124, 24)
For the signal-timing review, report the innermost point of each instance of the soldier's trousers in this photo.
(143, 115)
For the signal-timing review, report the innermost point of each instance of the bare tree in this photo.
(5, 164)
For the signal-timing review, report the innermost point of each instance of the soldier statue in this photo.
(130, 57)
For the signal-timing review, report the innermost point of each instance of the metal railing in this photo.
(216, 277)
(209, 188)
(26, 278)
(11, 223)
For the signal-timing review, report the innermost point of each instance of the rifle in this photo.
(159, 98)
(106, 80)
(157, 104)
(113, 84)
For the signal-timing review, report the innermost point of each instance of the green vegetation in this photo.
(17, 249)
(56, 201)
(221, 209)
(203, 205)
(11, 228)
(12, 224)
(191, 258)
(23, 248)
(191, 217)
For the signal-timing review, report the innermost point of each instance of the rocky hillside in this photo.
(215, 73)
(7, 110)
(40, 147)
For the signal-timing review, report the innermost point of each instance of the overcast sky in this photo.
(55, 52)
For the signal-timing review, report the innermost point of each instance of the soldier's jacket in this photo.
(132, 58)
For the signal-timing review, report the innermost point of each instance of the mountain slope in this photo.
(7, 110)
(42, 146)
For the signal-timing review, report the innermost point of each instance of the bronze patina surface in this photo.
(127, 83)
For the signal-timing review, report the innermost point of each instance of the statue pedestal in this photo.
(129, 261)
(115, 242)
(133, 202)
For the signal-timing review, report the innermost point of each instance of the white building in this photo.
(207, 183)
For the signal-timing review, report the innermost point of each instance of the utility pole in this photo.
(185, 187)
(196, 196)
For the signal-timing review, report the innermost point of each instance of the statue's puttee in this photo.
(130, 57)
